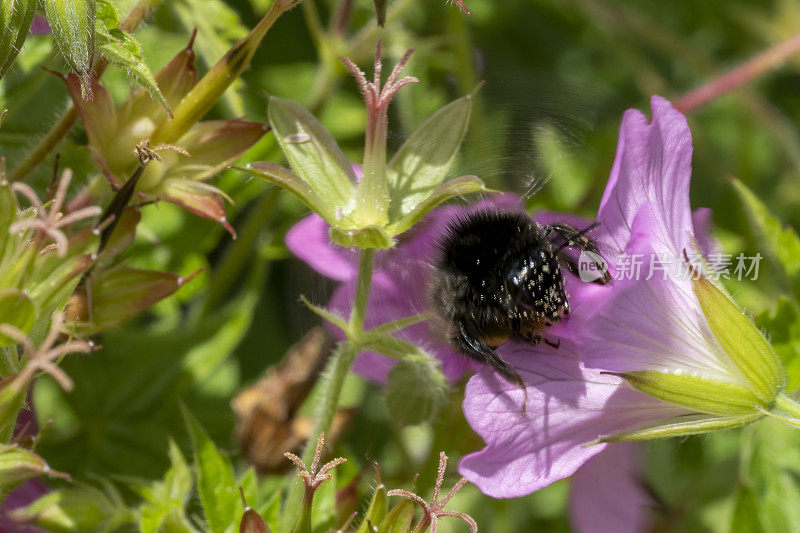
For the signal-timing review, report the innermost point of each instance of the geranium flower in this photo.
(651, 333)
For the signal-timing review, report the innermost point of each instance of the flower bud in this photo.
(18, 465)
(415, 391)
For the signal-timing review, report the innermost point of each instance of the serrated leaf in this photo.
(445, 191)
(18, 310)
(314, 155)
(123, 51)
(164, 510)
(215, 482)
(422, 163)
(742, 341)
(696, 393)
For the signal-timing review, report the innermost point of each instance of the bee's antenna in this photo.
(581, 233)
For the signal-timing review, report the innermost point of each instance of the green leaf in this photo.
(164, 510)
(445, 191)
(415, 391)
(699, 394)
(367, 237)
(333, 318)
(782, 243)
(73, 25)
(122, 50)
(215, 482)
(392, 346)
(770, 469)
(742, 341)
(18, 310)
(693, 426)
(746, 512)
(314, 156)
(422, 163)
(16, 17)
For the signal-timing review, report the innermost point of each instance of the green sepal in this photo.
(445, 191)
(399, 519)
(422, 162)
(742, 341)
(695, 426)
(18, 310)
(378, 505)
(73, 25)
(18, 465)
(314, 155)
(283, 177)
(367, 237)
(13, 390)
(696, 393)
(415, 391)
(16, 17)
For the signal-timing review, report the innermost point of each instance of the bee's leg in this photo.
(474, 348)
(577, 238)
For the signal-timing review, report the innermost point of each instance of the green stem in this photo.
(332, 381)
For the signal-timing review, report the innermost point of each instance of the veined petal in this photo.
(652, 165)
(310, 241)
(568, 406)
(653, 324)
(608, 493)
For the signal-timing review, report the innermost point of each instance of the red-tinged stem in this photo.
(740, 75)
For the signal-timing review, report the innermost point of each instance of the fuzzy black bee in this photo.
(499, 278)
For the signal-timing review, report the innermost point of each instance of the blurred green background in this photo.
(558, 75)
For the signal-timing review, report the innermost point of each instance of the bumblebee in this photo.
(499, 277)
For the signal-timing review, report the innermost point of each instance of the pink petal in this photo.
(652, 165)
(608, 493)
(568, 406)
(652, 324)
(309, 240)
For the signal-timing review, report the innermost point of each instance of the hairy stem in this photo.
(333, 380)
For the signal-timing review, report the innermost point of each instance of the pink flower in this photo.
(634, 324)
